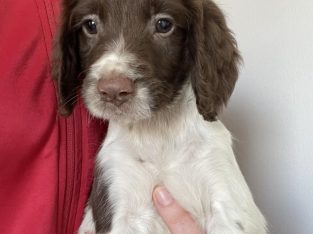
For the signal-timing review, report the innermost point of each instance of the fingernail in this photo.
(163, 197)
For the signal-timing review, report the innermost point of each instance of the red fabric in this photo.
(45, 161)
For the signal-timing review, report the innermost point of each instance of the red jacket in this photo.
(45, 160)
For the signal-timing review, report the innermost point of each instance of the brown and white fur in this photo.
(160, 71)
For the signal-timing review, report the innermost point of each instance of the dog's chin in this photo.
(130, 112)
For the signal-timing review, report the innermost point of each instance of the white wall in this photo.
(271, 111)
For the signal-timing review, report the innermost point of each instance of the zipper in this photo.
(74, 158)
(69, 170)
(73, 171)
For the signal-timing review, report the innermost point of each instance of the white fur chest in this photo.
(193, 159)
(182, 159)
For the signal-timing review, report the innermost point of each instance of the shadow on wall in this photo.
(254, 138)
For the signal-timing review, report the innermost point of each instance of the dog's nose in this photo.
(116, 90)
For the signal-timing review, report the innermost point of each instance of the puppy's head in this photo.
(135, 56)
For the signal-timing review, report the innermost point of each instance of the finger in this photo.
(176, 218)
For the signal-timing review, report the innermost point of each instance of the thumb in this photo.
(176, 218)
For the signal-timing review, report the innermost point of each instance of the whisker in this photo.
(69, 100)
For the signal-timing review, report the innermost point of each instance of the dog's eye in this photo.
(163, 26)
(91, 26)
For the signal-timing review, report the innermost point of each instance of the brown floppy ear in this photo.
(66, 62)
(216, 57)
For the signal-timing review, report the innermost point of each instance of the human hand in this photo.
(176, 218)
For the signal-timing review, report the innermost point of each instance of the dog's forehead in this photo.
(131, 9)
(126, 8)
(139, 5)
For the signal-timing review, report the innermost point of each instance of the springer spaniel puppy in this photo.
(159, 71)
